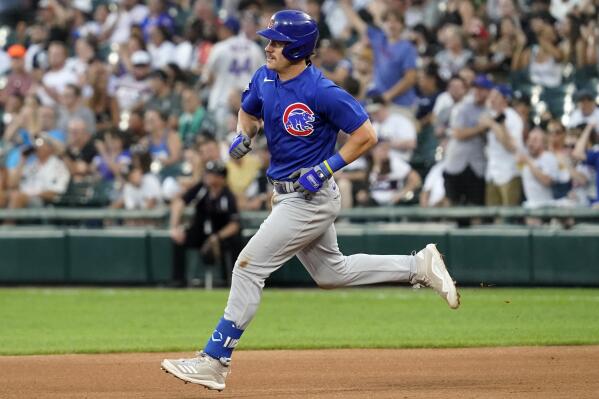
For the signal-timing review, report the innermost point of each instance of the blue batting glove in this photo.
(240, 146)
(311, 181)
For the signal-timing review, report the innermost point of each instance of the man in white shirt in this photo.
(229, 68)
(540, 170)
(587, 110)
(41, 181)
(395, 127)
(504, 141)
(58, 76)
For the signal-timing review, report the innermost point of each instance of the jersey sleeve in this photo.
(251, 100)
(341, 109)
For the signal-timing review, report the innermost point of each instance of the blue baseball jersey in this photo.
(302, 117)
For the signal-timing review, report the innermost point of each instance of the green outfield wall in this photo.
(503, 256)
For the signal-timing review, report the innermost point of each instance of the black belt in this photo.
(282, 187)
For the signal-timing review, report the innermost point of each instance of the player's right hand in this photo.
(240, 146)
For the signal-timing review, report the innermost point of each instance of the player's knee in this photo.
(328, 282)
(245, 270)
(240, 269)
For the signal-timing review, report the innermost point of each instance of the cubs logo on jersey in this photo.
(298, 119)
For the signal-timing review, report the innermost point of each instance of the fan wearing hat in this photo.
(19, 81)
(504, 142)
(464, 157)
(133, 88)
(214, 228)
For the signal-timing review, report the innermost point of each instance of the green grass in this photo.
(39, 321)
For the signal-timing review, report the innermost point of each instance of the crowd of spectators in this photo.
(122, 103)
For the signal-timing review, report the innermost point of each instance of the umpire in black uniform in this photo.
(215, 229)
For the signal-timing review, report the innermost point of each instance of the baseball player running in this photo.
(302, 112)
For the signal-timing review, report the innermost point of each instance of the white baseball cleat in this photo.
(431, 272)
(203, 370)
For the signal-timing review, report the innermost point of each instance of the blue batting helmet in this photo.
(297, 29)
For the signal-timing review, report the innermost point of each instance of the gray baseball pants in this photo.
(305, 228)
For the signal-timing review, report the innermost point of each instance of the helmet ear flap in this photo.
(292, 51)
(302, 48)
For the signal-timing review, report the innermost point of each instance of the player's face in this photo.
(275, 59)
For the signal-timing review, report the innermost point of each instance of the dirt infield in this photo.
(527, 372)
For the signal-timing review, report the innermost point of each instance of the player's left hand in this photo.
(309, 182)
(240, 146)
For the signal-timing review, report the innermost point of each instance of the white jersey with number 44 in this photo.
(232, 63)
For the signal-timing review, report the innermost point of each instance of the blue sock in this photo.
(223, 340)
